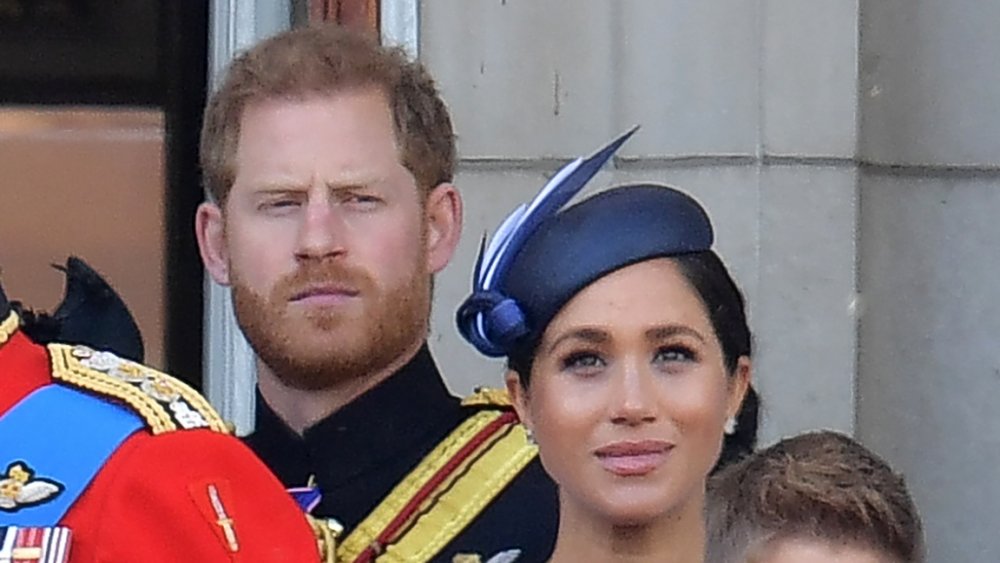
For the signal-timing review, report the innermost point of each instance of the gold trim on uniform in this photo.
(456, 502)
(164, 402)
(8, 327)
(487, 396)
(327, 531)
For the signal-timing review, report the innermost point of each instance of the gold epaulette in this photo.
(165, 403)
(448, 489)
(8, 327)
(487, 397)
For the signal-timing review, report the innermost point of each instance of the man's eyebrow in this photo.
(355, 181)
(277, 186)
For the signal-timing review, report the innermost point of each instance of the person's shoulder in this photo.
(163, 403)
(489, 403)
(525, 515)
(201, 491)
(488, 398)
(443, 498)
(178, 473)
(524, 510)
(490, 418)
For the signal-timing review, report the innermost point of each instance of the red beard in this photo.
(317, 348)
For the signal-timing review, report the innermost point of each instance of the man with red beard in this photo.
(329, 161)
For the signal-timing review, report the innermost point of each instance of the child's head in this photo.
(817, 497)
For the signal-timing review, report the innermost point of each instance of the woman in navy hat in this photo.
(629, 358)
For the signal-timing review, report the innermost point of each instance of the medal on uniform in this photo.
(20, 544)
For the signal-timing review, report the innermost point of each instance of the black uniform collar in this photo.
(5, 309)
(9, 321)
(367, 431)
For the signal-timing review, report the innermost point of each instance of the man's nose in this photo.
(321, 231)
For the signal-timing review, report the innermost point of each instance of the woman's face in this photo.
(629, 394)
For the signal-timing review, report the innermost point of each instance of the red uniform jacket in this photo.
(151, 502)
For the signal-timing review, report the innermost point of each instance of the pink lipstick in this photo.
(633, 458)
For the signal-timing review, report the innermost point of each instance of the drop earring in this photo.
(529, 435)
(730, 426)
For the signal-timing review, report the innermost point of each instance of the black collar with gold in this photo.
(9, 320)
(5, 309)
(8, 326)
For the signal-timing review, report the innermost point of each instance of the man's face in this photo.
(325, 239)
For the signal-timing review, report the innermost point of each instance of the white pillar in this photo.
(929, 364)
(230, 374)
(400, 24)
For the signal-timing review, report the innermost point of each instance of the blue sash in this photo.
(63, 437)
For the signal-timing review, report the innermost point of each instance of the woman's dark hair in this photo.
(723, 301)
(743, 441)
(727, 312)
(726, 309)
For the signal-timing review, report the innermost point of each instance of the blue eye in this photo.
(674, 354)
(279, 205)
(582, 362)
(361, 201)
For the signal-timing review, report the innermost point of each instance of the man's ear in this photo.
(443, 216)
(209, 227)
(519, 397)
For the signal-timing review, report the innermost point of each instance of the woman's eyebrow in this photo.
(664, 332)
(592, 335)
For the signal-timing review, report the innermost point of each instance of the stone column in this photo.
(748, 105)
(929, 363)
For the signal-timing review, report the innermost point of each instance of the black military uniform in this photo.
(359, 453)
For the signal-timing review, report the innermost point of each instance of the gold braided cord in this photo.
(68, 368)
(8, 327)
(456, 502)
(488, 397)
(494, 467)
(365, 533)
(189, 395)
(200, 404)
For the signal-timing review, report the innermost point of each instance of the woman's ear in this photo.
(739, 382)
(519, 397)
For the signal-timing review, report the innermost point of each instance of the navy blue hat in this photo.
(570, 249)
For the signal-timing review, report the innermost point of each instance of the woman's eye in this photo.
(674, 354)
(584, 361)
